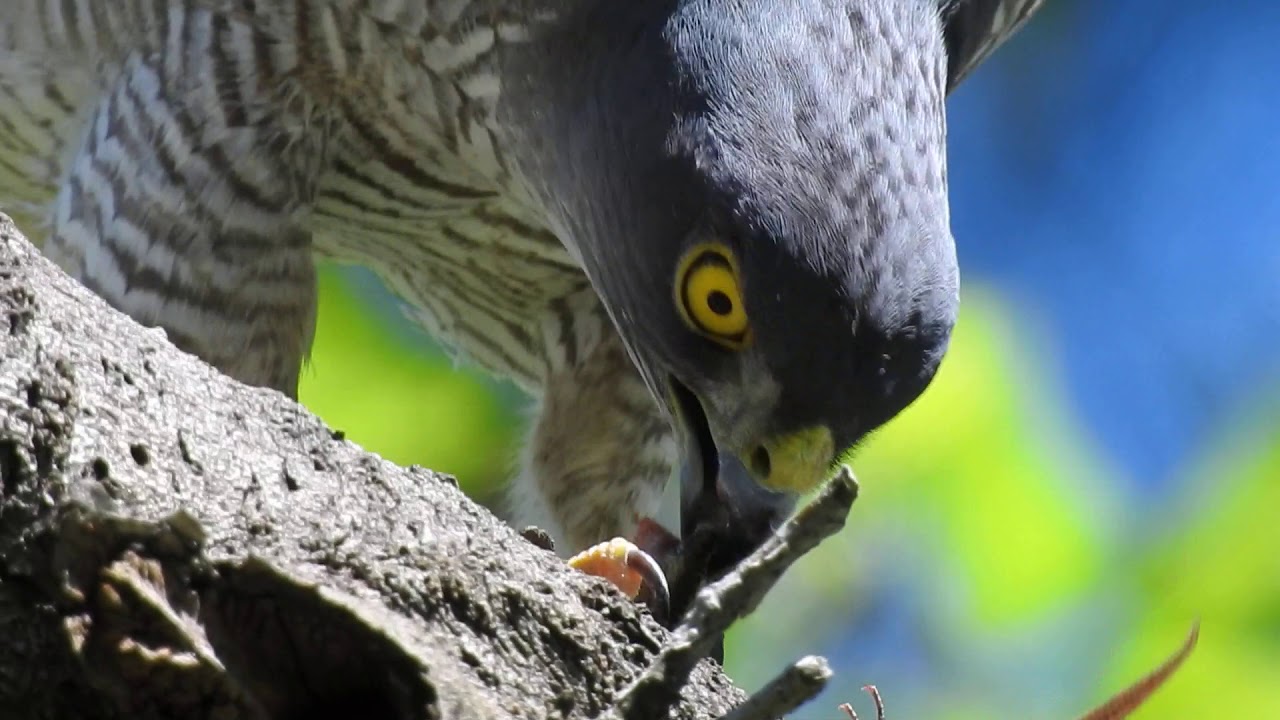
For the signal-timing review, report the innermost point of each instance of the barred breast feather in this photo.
(383, 110)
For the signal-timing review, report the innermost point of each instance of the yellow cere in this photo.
(799, 462)
(709, 295)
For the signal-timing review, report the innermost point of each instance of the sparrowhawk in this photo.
(709, 237)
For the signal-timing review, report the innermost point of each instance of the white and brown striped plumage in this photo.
(188, 159)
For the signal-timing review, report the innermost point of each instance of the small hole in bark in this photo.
(140, 454)
(761, 464)
(18, 322)
(10, 464)
(44, 458)
(101, 469)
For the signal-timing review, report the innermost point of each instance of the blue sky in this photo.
(1116, 170)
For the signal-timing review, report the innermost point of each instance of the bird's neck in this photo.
(585, 109)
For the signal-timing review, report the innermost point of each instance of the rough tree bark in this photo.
(176, 545)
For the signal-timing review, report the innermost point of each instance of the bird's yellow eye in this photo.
(709, 296)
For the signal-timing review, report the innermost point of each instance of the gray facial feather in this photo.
(829, 131)
(809, 135)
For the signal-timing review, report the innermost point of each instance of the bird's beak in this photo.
(730, 503)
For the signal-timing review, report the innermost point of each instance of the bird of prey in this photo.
(710, 237)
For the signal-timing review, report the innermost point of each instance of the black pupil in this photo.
(719, 303)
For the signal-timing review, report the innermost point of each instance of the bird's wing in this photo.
(975, 28)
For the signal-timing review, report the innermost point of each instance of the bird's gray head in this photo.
(757, 190)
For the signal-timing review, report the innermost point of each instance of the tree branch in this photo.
(795, 686)
(176, 544)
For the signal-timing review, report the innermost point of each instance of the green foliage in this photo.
(1216, 557)
(405, 401)
(993, 566)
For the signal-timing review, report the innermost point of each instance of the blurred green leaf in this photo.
(397, 400)
(966, 466)
(1219, 562)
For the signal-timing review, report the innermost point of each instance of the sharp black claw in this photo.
(657, 593)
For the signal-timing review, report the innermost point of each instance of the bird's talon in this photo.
(655, 582)
(625, 565)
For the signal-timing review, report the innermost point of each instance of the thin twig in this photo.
(736, 594)
(793, 687)
(875, 698)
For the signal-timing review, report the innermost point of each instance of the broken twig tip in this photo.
(797, 684)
